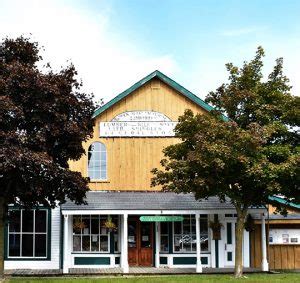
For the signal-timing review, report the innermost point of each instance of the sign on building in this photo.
(138, 124)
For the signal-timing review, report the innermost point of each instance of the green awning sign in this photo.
(160, 218)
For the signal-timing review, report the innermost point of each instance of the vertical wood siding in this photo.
(280, 256)
(130, 160)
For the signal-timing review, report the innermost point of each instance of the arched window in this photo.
(97, 161)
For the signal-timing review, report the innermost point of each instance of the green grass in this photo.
(249, 278)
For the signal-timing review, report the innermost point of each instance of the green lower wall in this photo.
(92, 260)
(188, 260)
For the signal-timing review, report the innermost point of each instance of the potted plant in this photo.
(216, 226)
(249, 224)
(110, 225)
(78, 225)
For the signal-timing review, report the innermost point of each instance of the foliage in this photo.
(246, 158)
(110, 225)
(44, 119)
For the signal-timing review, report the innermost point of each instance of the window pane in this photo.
(177, 243)
(164, 228)
(104, 243)
(194, 241)
(27, 221)
(116, 242)
(77, 224)
(86, 221)
(97, 166)
(164, 243)
(40, 220)
(186, 240)
(145, 235)
(27, 245)
(95, 243)
(76, 243)
(85, 243)
(177, 227)
(14, 220)
(95, 225)
(40, 245)
(14, 245)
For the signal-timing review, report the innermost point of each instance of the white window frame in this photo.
(90, 235)
(99, 152)
(190, 252)
(21, 233)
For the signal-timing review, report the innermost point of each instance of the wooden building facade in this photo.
(126, 222)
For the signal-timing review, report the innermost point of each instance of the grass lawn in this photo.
(250, 278)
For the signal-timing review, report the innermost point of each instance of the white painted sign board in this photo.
(138, 124)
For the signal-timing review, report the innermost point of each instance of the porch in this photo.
(119, 271)
(153, 245)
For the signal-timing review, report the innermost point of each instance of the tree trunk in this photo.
(2, 224)
(239, 233)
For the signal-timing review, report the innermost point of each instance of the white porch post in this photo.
(124, 255)
(66, 244)
(264, 263)
(198, 244)
(157, 245)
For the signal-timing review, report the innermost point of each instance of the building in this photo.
(126, 221)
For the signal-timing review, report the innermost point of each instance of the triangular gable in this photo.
(165, 79)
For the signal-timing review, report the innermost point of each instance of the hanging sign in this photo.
(138, 124)
(161, 218)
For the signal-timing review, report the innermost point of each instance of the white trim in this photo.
(198, 244)
(154, 212)
(264, 263)
(157, 243)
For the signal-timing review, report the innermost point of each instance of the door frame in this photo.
(138, 240)
(229, 248)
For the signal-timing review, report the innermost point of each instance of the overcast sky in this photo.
(114, 43)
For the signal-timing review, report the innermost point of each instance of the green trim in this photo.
(112, 242)
(284, 202)
(163, 260)
(229, 232)
(216, 244)
(48, 238)
(92, 261)
(184, 260)
(117, 260)
(165, 79)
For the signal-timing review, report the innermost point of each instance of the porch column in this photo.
(264, 263)
(157, 243)
(198, 244)
(66, 244)
(124, 255)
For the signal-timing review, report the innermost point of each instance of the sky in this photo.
(115, 43)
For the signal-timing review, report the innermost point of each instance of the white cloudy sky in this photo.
(115, 43)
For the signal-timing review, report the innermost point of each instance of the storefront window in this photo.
(90, 233)
(185, 234)
(27, 233)
(164, 237)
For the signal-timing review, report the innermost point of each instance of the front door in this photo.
(140, 242)
(229, 243)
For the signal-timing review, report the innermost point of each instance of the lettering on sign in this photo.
(138, 124)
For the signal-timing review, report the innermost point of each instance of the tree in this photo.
(246, 156)
(44, 119)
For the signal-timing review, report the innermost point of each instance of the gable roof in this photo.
(165, 79)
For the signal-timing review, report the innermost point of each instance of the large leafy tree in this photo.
(245, 151)
(44, 119)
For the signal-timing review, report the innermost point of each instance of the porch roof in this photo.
(116, 200)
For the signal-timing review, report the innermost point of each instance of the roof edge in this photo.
(146, 79)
